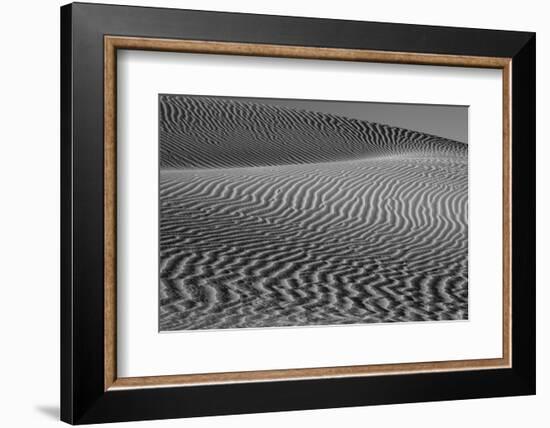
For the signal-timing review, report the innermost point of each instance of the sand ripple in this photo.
(275, 217)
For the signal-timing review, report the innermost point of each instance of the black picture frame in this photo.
(83, 396)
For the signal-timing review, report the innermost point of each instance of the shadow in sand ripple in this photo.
(278, 217)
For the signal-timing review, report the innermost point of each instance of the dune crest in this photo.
(202, 132)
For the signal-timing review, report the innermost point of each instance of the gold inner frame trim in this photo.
(113, 43)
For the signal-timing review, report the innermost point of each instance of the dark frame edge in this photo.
(524, 215)
(66, 130)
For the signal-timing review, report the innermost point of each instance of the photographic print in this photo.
(287, 212)
(312, 211)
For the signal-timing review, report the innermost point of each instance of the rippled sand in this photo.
(278, 217)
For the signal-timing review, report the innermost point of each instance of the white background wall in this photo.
(29, 214)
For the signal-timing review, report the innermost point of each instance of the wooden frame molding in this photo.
(113, 43)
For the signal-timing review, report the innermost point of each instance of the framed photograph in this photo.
(265, 213)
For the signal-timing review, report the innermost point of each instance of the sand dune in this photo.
(201, 132)
(275, 217)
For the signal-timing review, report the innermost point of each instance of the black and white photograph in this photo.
(246, 214)
(294, 213)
